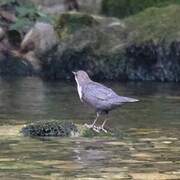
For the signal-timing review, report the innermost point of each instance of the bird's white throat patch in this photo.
(79, 88)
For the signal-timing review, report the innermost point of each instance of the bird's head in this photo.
(81, 77)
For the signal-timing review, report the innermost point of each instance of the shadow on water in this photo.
(148, 149)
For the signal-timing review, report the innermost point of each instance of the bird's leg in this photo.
(102, 126)
(93, 124)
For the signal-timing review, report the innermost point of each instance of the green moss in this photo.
(155, 24)
(68, 23)
(123, 8)
(57, 128)
(89, 133)
(50, 128)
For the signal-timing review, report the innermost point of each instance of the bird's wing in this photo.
(98, 91)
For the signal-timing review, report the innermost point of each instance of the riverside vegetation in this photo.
(143, 45)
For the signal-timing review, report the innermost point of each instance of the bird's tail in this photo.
(127, 99)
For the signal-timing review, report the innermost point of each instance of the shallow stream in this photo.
(148, 146)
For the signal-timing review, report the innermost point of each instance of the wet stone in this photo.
(50, 128)
(56, 128)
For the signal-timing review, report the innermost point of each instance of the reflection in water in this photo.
(149, 147)
(21, 98)
(31, 99)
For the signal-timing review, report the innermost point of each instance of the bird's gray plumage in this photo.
(98, 96)
(102, 98)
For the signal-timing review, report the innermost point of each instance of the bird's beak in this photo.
(74, 72)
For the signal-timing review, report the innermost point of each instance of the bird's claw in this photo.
(93, 127)
(104, 130)
(100, 128)
(90, 126)
(96, 128)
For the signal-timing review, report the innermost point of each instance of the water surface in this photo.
(148, 147)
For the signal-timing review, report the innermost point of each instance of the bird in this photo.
(101, 98)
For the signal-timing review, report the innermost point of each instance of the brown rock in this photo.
(40, 39)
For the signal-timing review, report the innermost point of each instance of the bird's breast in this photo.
(79, 89)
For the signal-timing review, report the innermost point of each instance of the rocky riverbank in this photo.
(141, 47)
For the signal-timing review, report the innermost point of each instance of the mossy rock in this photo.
(127, 49)
(123, 8)
(50, 128)
(55, 128)
(69, 23)
(89, 133)
(155, 24)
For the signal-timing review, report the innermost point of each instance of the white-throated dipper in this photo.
(98, 96)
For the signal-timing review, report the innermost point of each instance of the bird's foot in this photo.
(104, 130)
(101, 128)
(96, 129)
(93, 127)
(90, 126)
